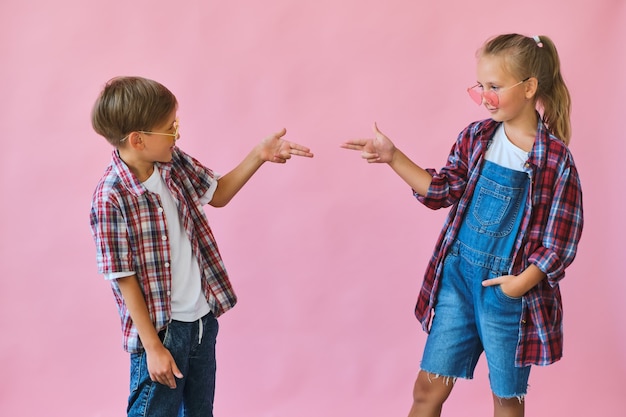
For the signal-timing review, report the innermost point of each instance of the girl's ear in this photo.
(531, 88)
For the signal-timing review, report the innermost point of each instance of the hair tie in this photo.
(538, 41)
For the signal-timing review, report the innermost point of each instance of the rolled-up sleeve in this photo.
(563, 228)
(447, 185)
(109, 229)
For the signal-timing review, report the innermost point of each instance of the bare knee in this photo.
(432, 390)
(508, 407)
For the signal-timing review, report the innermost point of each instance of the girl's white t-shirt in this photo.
(504, 153)
(188, 301)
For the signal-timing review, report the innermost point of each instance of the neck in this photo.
(141, 169)
(522, 130)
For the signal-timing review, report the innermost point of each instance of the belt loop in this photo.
(200, 330)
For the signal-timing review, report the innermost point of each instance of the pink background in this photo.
(327, 254)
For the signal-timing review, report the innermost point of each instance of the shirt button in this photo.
(167, 264)
(163, 237)
(160, 210)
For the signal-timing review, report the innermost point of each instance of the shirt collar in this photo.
(537, 155)
(129, 180)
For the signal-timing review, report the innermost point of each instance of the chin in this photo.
(496, 116)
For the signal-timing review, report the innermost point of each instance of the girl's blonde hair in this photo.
(537, 57)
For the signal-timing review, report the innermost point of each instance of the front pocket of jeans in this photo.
(504, 296)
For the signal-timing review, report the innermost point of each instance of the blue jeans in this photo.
(192, 346)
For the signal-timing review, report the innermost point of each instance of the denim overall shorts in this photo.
(470, 318)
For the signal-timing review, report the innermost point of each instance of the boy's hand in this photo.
(275, 149)
(380, 149)
(162, 367)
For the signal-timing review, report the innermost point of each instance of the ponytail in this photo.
(552, 93)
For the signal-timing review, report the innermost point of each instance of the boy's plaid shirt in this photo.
(548, 236)
(130, 232)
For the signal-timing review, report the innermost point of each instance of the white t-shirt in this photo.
(502, 152)
(188, 301)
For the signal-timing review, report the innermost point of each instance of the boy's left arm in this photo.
(272, 149)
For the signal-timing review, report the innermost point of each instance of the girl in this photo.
(514, 225)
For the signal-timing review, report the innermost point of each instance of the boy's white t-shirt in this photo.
(502, 152)
(188, 301)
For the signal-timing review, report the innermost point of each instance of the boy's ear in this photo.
(135, 140)
(531, 87)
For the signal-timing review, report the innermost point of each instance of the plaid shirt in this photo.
(130, 232)
(548, 236)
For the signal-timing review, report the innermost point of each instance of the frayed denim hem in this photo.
(446, 379)
(520, 397)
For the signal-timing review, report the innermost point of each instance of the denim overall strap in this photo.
(495, 213)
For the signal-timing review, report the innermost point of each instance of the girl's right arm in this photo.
(382, 150)
(161, 364)
(418, 178)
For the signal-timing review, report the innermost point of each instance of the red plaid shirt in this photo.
(548, 236)
(130, 232)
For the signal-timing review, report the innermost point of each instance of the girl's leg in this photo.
(509, 407)
(453, 345)
(429, 394)
(499, 323)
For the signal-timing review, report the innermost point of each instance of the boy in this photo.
(155, 246)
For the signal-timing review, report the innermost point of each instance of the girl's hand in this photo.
(380, 149)
(277, 150)
(509, 285)
(517, 285)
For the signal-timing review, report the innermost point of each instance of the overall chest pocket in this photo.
(494, 209)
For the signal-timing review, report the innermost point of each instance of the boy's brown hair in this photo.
(130, 104)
